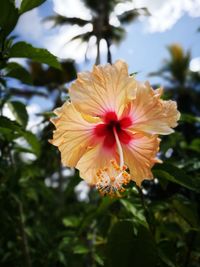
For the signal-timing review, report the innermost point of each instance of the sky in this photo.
(144, 48)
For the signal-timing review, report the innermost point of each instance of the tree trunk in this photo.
(109, 55)
(98, 52)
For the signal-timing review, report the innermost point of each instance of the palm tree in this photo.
(175, 69)
(102, 28)
(183, 85)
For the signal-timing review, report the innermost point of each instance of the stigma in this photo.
(112, 179)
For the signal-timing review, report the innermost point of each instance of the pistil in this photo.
(119, 148)
(112, 179)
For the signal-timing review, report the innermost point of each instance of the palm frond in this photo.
(84, 37)
(116, 34)
(61, 20)
(130, 15)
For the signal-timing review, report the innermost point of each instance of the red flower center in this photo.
(105, 130)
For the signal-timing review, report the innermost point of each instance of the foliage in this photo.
(44, 222)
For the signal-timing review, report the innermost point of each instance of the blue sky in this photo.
(144, 48)
(145, 52)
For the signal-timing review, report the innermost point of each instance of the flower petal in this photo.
(106, 88)
(94, 159)
(140, 156)
(151, 114)
(73, 134)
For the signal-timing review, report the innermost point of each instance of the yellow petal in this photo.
(94, 159)
(106, 88)
(150, 114)
(73, 134)
(140, 156)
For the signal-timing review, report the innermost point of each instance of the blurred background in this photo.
(49, 216)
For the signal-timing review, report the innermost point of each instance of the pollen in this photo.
(112, 179)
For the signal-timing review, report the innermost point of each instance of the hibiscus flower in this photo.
(109, 130)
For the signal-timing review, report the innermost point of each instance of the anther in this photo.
(111, 179)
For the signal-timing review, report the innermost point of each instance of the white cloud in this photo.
(195, 64)
(60, 46)
(71, 8)
(123, 7)
(165, 13)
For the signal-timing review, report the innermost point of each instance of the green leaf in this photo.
(98, 259)
(9, 124)
(187, 210)
(62, 258)
(46, 114)
(128, 247)
(195, 145)
(25, 50)
(104, 205)
(173, 174)
(33, 142)
(27, 5)
(71, 221)
(133, 74)
(15, 70)
(137, 213)
(189, 118)
(21, 149)
(80, 249)
(9, 130)
(19, 111)
(8, 17)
